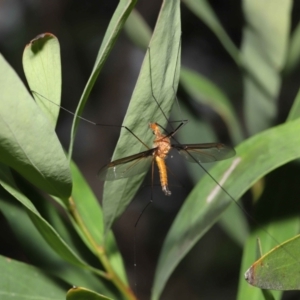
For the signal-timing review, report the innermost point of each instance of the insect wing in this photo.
(205, 153)
(127, 166)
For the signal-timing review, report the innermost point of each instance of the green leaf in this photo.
(87, 206)
(36, 248)
(115, 26)
(138, 30)
(45, 229)
(277, 210)
(91, 214)
(293, 55)
(234, 223)
(32, 243)
(164, 51)
(205, 92)
(268, 295)
(198, 87)
(256, 157)
(202, 9)
(42, 67)
(79, 293)
(264, 50)
(21, 281)
(295, 110)
(28, 142)
(278, 269)
(280, 230)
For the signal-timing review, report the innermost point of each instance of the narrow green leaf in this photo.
(268, 295)
(42, 67)
(21, 281)
(295, 110)
(234, 223)
(90, 211)
(163, 63)
(293, 55)
(203, 10)
(115, 26)
(45, 229)
(88, 208)
(28, 142)
(115, 257)
(32, 242)
(138, 30)
(264, 50)
(38, 251)
(79, 293)
(207, 93)
(256, 157)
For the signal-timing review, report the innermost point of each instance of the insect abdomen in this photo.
(163, 175)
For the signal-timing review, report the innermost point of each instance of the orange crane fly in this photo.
(140, 162)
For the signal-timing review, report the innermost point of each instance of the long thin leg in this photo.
(94, 123)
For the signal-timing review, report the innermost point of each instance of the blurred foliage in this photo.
(239, 84)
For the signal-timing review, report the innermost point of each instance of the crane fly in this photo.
(140, 162)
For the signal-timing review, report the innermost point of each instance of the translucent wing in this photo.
(205, 153)
(127, 166)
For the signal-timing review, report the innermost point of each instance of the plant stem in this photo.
(99, 251)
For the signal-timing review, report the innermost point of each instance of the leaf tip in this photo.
(39, 41)
(249, 275)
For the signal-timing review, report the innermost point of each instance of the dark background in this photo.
(207, 272)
